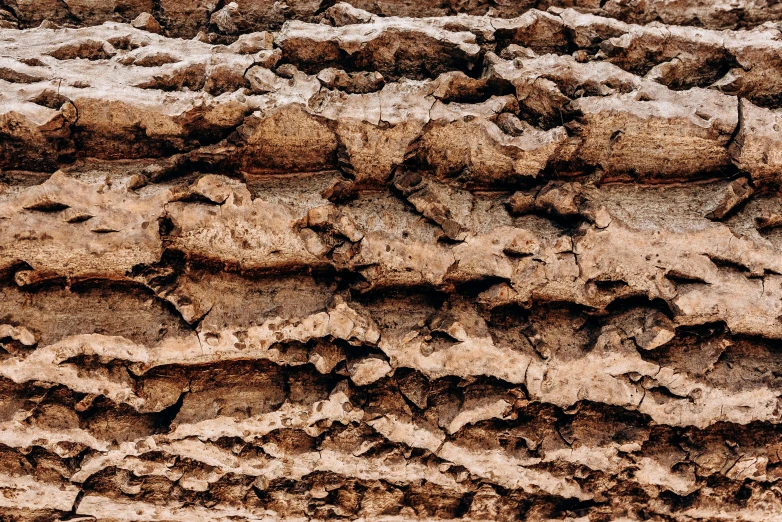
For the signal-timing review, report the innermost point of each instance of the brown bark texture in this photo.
(480, 260)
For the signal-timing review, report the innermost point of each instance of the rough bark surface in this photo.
(395, 260)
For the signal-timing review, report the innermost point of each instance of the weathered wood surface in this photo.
(429, 260)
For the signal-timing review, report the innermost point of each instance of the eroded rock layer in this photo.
(454, 260)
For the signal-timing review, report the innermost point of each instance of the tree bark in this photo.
(390, 260)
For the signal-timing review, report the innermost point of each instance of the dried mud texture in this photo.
(456, 260)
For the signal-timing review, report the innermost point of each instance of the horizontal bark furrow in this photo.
(185, 18)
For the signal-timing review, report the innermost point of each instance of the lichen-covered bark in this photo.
(458, 260)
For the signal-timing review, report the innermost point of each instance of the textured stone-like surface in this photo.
(390, 260)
